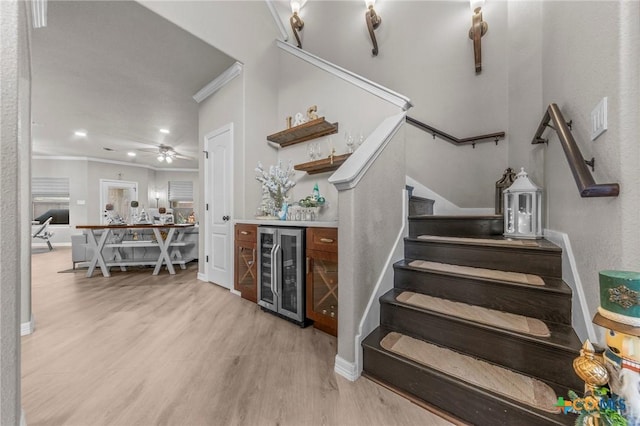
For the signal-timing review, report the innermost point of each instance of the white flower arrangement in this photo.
(277, 181)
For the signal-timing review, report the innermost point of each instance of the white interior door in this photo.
(218, 199)
(120, 194)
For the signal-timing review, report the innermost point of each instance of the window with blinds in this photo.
(180, 191)
(180, 195)
(50, 198)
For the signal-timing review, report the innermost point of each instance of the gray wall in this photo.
(425, 54)
(302, 85)
(580, 66)
(14, 73)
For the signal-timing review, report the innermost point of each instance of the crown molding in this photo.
(374, 88)
(277, 19)
(101, 160)
(219, 82)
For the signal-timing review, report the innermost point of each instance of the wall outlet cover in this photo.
(80, 202)
(599, 119)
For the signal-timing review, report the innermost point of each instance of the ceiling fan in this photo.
(166, 153)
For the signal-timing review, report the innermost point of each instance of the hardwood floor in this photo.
(135, 349)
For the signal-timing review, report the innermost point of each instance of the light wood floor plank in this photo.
(135, 349)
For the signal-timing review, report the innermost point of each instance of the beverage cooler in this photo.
(281, 272)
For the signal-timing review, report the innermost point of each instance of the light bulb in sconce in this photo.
(476, 5)
(297, 24)
(478, 29)
(373, 22)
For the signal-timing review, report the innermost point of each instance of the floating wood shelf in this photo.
(324, 165)
(304, 132)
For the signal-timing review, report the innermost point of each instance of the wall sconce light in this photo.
(296, 22)
(478, 29)
(373, 22)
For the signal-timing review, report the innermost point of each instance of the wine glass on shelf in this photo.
(311, 151)
(360, 140)
(318, 151)
(349, 141)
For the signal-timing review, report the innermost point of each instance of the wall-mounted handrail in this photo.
(495, 137)
(577, 163)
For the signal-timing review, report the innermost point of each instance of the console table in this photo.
(98, 235)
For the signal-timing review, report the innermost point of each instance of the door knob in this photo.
(225, 218)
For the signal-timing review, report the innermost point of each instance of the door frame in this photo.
(209, 202)
(117, 183)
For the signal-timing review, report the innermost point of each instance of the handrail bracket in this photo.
(591, 163)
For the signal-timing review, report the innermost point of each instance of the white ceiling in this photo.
(120, 72)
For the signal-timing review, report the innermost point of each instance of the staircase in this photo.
(476, 325)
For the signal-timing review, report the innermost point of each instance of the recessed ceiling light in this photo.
(80, 133)
(131, 154)
(165, 131)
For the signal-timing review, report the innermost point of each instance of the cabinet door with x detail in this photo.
(245, 261)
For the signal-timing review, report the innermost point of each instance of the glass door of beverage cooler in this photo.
(291, 278)
(267, 267)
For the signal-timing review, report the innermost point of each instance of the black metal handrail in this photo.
(577, 163)
(495, 137)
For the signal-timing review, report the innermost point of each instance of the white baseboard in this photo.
(28, 327)
(581, 317)
(348, 370)
(203, 277)
(44, 245)
(23, 418)
(236, 292)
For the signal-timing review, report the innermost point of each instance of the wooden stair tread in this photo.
(524, 389)
(495, 318)
(448, 392)
(475, 272)
(543, 245)
(562, 336)
(457, 217)
(551, 284)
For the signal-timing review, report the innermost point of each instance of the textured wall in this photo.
(425, 54)
(370, 219)
(580, 66)
(303, 85)
(13, 48)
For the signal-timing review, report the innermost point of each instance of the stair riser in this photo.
(515, 259)
(468, 403)
(528, 301)
(545, 362)
(455, 227)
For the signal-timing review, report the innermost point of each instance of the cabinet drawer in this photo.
(324, 239)
(246, 232)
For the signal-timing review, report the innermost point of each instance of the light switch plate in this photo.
(599, 119)
(80, 202)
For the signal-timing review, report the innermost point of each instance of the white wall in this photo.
(302, 85)
(14, 51)
(590, 50)
(425, 54)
